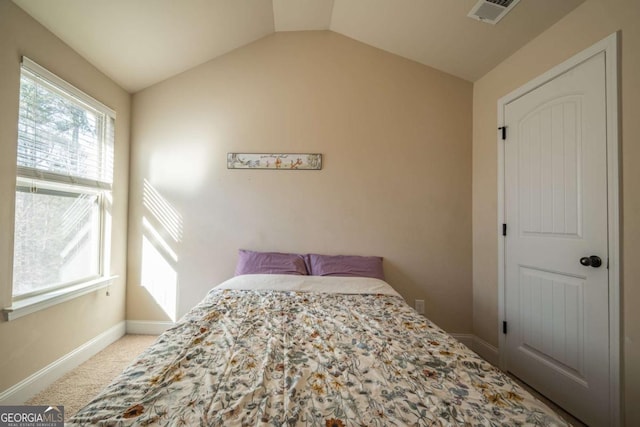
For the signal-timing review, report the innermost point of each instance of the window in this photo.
(65, 172)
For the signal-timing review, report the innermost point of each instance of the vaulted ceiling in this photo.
(141, 42)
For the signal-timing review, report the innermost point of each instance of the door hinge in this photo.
(504, 327)
(504, 229)
(504, 132)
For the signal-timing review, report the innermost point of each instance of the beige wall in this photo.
(589, 23)
(32, 342)
(396, 181)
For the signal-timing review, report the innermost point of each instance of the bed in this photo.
(300, 350)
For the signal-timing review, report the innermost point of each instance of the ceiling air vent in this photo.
(491, 11)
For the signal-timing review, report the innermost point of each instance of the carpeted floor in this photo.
(76, 388)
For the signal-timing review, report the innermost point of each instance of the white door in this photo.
(556, 295)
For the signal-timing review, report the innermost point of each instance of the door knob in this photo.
(591, 261)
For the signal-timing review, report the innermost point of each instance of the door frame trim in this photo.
(609, 46)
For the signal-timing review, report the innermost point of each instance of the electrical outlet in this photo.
(420, 306)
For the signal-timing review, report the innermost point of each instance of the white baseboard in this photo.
(486, 351)
(480, 346)
(466, 339)
(30, 386)
(143, 327)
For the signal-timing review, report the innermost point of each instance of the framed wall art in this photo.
(276, 161)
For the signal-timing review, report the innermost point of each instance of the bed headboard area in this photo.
(395, 183)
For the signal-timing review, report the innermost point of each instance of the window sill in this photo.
(40, 302)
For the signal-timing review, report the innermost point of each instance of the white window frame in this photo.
(60, 292)
(54, 188)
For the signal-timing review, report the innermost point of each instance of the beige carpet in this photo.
(76, 388)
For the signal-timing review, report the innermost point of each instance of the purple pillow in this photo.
(250, 262)
(345, 265)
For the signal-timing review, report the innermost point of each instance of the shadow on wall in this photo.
(402, 282)
(161, 234)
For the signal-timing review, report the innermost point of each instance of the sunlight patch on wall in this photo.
(183, 167)
(159, 278)
(166, 216)
(161, 244)
(161, 232)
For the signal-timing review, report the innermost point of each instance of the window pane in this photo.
(57, 239)
(56, 133)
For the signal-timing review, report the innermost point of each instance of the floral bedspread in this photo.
(283, 358)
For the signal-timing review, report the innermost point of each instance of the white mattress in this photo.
(326, 284)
